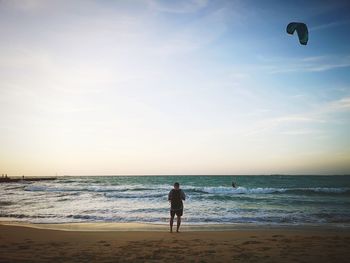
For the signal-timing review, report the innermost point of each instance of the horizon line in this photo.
(125, 175)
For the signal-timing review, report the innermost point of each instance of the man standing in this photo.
(175, 198)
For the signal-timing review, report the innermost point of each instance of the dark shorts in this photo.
(177, 212)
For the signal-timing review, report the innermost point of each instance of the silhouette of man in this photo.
(175, 198)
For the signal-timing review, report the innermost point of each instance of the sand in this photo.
(147, 243)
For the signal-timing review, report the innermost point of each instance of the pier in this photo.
(25, 179)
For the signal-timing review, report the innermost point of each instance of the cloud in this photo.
(340, 105)
(25, 5)
(179, 6)
(302, 132)
(272, 123)
(307, 64)
(320, 115)
(195, 34)
(329, 25)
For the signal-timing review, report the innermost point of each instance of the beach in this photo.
(151, 243)
(125, 219)
(118, 115)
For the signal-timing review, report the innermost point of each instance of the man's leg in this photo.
(171, 223)
(178, 223)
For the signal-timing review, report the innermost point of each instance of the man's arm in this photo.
(169, 196)
(183, 196)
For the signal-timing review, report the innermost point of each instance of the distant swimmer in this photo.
(234, 185)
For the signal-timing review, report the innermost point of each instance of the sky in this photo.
(173, 87)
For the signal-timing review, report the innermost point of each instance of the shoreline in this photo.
(157, 227)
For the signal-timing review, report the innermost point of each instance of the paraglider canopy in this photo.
(301, 28)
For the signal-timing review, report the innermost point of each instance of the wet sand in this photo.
(142, 243)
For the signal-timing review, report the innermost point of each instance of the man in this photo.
(175, 198)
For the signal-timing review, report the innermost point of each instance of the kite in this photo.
(301, 28)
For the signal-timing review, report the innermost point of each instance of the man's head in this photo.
(176, 185)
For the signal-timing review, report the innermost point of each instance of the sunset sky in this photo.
(173, 87)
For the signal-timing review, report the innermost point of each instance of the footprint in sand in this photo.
(271, 239)
(54, 244)
(251, 242)
(23, 247)
(277, 236)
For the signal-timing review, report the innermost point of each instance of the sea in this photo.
(263, 200)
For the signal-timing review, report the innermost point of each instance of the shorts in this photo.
(177, 212)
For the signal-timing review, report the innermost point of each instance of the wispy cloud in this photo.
(181, 6)
(25, 5)
(329, 25)
(272, 123)
(195, 34)
(342, 104)
(319, 115)
(307, 64)
(302, 132)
